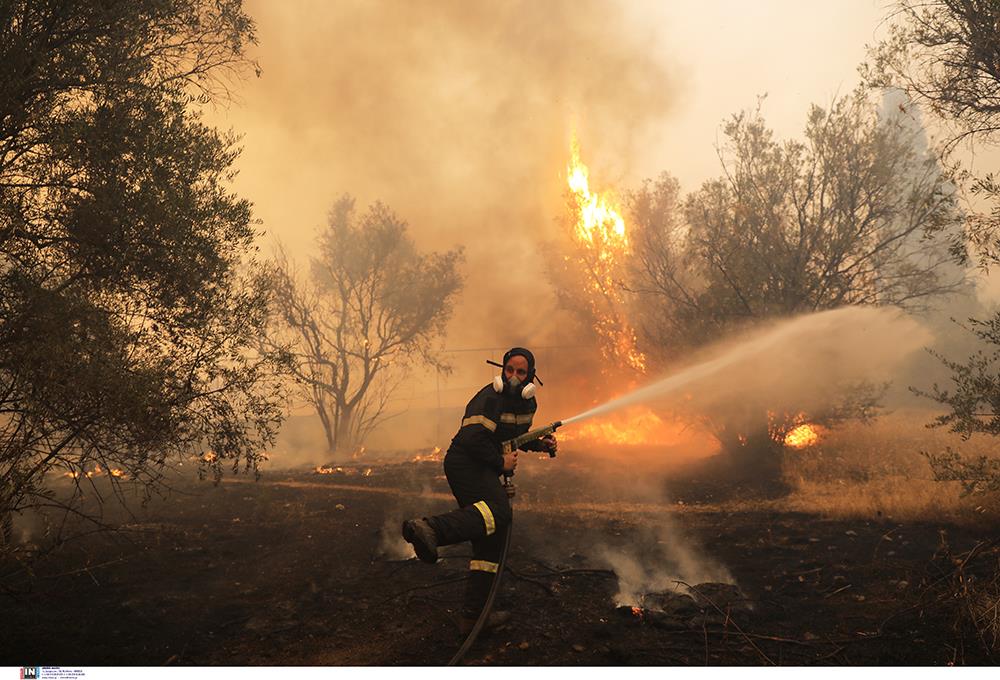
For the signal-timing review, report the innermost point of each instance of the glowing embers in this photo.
(802, 436)
(432, 455)
(600, 247)
(96, 471)
(349, 471)
(705, 604)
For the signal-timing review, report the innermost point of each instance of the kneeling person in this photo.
(475, 460)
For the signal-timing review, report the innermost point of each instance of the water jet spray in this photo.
(863, 324)
(857, 332)
(660, 388)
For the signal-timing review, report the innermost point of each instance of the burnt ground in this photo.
(292, 570)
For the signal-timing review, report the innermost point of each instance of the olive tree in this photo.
(945, 54)
(850, 215)
(370, 306)
(126, 323)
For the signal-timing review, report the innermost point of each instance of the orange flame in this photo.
(601, 244)
(794, 431)
(433, 455)
(633, 427)
(97, 471)
(802, 436)
(599, 221)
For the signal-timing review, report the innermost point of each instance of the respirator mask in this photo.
(515, 386)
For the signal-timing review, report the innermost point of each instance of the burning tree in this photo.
(125, 324)
(594, 265)
(846, 217)
(369, 308)
(589, 271)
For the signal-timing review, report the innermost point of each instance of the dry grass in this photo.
(984, 612)
(892, 498)
(877, 471)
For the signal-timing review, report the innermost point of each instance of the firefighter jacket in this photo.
(491, 419)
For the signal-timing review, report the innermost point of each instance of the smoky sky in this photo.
(458, 116)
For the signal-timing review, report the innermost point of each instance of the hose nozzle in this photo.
(530, 436)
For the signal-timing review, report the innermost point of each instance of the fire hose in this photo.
(508, 485)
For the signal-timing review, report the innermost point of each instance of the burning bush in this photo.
(753, 247)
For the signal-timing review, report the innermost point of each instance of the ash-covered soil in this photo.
(305, 569)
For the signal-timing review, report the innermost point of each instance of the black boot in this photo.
(424, 540)
(477, 590)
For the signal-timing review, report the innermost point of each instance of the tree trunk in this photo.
(328, 431)
(6, 528)
(344, 437)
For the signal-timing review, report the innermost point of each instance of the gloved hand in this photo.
(550, 443)
(509, 461)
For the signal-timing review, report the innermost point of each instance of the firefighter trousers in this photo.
(483, 517)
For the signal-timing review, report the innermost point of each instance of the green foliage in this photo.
(973, 404)
(371, 306)
(945, 54)
(974, 401)
(853, 214)
(845, 217)
(125, 324)
(979, 475)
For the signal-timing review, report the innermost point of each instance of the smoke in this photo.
(655, 560)
(657, 553)
(812, 362)
(27, 527)
(458, 116)
(391, 545)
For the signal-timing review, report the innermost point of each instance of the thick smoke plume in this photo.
(458, 115)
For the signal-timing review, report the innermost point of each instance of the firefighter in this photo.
(500, 411)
